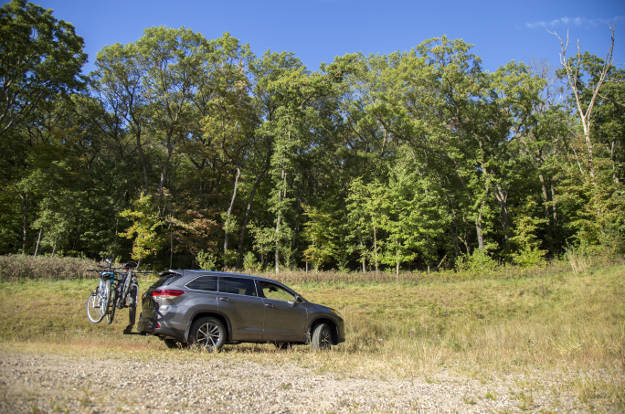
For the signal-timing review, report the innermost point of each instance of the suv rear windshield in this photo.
(204, 283)
(166, 279)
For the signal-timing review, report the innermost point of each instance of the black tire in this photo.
(132, 307)
(322, 337)
(208, 333)
(110, 311)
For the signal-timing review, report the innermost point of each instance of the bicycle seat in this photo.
(129, 265)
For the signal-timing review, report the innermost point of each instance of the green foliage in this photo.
(41, 58)
(402, 160)
(528, 252)
(250, 263)
(321, 231)
(206, 260)
(477, 262)
(145, 228)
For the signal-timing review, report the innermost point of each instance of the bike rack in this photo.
(135, 333)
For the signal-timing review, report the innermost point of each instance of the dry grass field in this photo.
(556, 324)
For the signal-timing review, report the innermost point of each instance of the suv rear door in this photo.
(239, 300)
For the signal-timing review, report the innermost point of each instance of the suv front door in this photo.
(285, 318)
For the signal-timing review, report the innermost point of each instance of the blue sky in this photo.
(318, 30)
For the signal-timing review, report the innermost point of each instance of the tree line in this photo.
(183, 151)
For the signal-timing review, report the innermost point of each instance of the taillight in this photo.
(167, 293)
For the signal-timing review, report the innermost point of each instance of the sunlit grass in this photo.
(395, 328)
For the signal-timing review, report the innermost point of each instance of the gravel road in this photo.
(58, 383)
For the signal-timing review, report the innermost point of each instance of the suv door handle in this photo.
(224, 299)
(270, 305)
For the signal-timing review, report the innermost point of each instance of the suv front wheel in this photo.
(322, 337)
(208, 333)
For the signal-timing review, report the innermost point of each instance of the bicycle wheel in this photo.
(95, 312)
(111, 305)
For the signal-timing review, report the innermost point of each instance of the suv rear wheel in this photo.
(208, 333)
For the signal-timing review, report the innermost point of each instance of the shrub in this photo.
(206, 260)
(17, 266)
(530, 256)
(479, 261)
(250, 264)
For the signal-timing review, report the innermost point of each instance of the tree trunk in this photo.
(502, 198)
(276, 254)
(281, 196)
(589, 149)
(572, 77)
(545, 197)
(478, 231)
(554, 205)
(25, 207)
(614, 175)
(229, 212)
(37, 245)
(375, 249)
(363, 259)
(142, 159)
(171, 249)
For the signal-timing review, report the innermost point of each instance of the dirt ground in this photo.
(32, 382)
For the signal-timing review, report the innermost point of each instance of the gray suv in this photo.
(210, 309)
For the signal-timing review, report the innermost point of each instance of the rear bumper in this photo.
(159, 328)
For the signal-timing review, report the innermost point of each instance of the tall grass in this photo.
(499, 273)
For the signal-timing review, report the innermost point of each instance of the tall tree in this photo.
(41, 58)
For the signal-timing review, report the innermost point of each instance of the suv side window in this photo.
(237, 285)
(204, 283)
(275, 292)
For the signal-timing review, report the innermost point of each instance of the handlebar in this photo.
(117, 270)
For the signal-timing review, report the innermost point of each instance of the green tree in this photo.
(321, 231)
(41, 58)
(145, 228)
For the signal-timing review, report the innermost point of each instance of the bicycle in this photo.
(126, 292)
(118, 288)
(99, 300)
